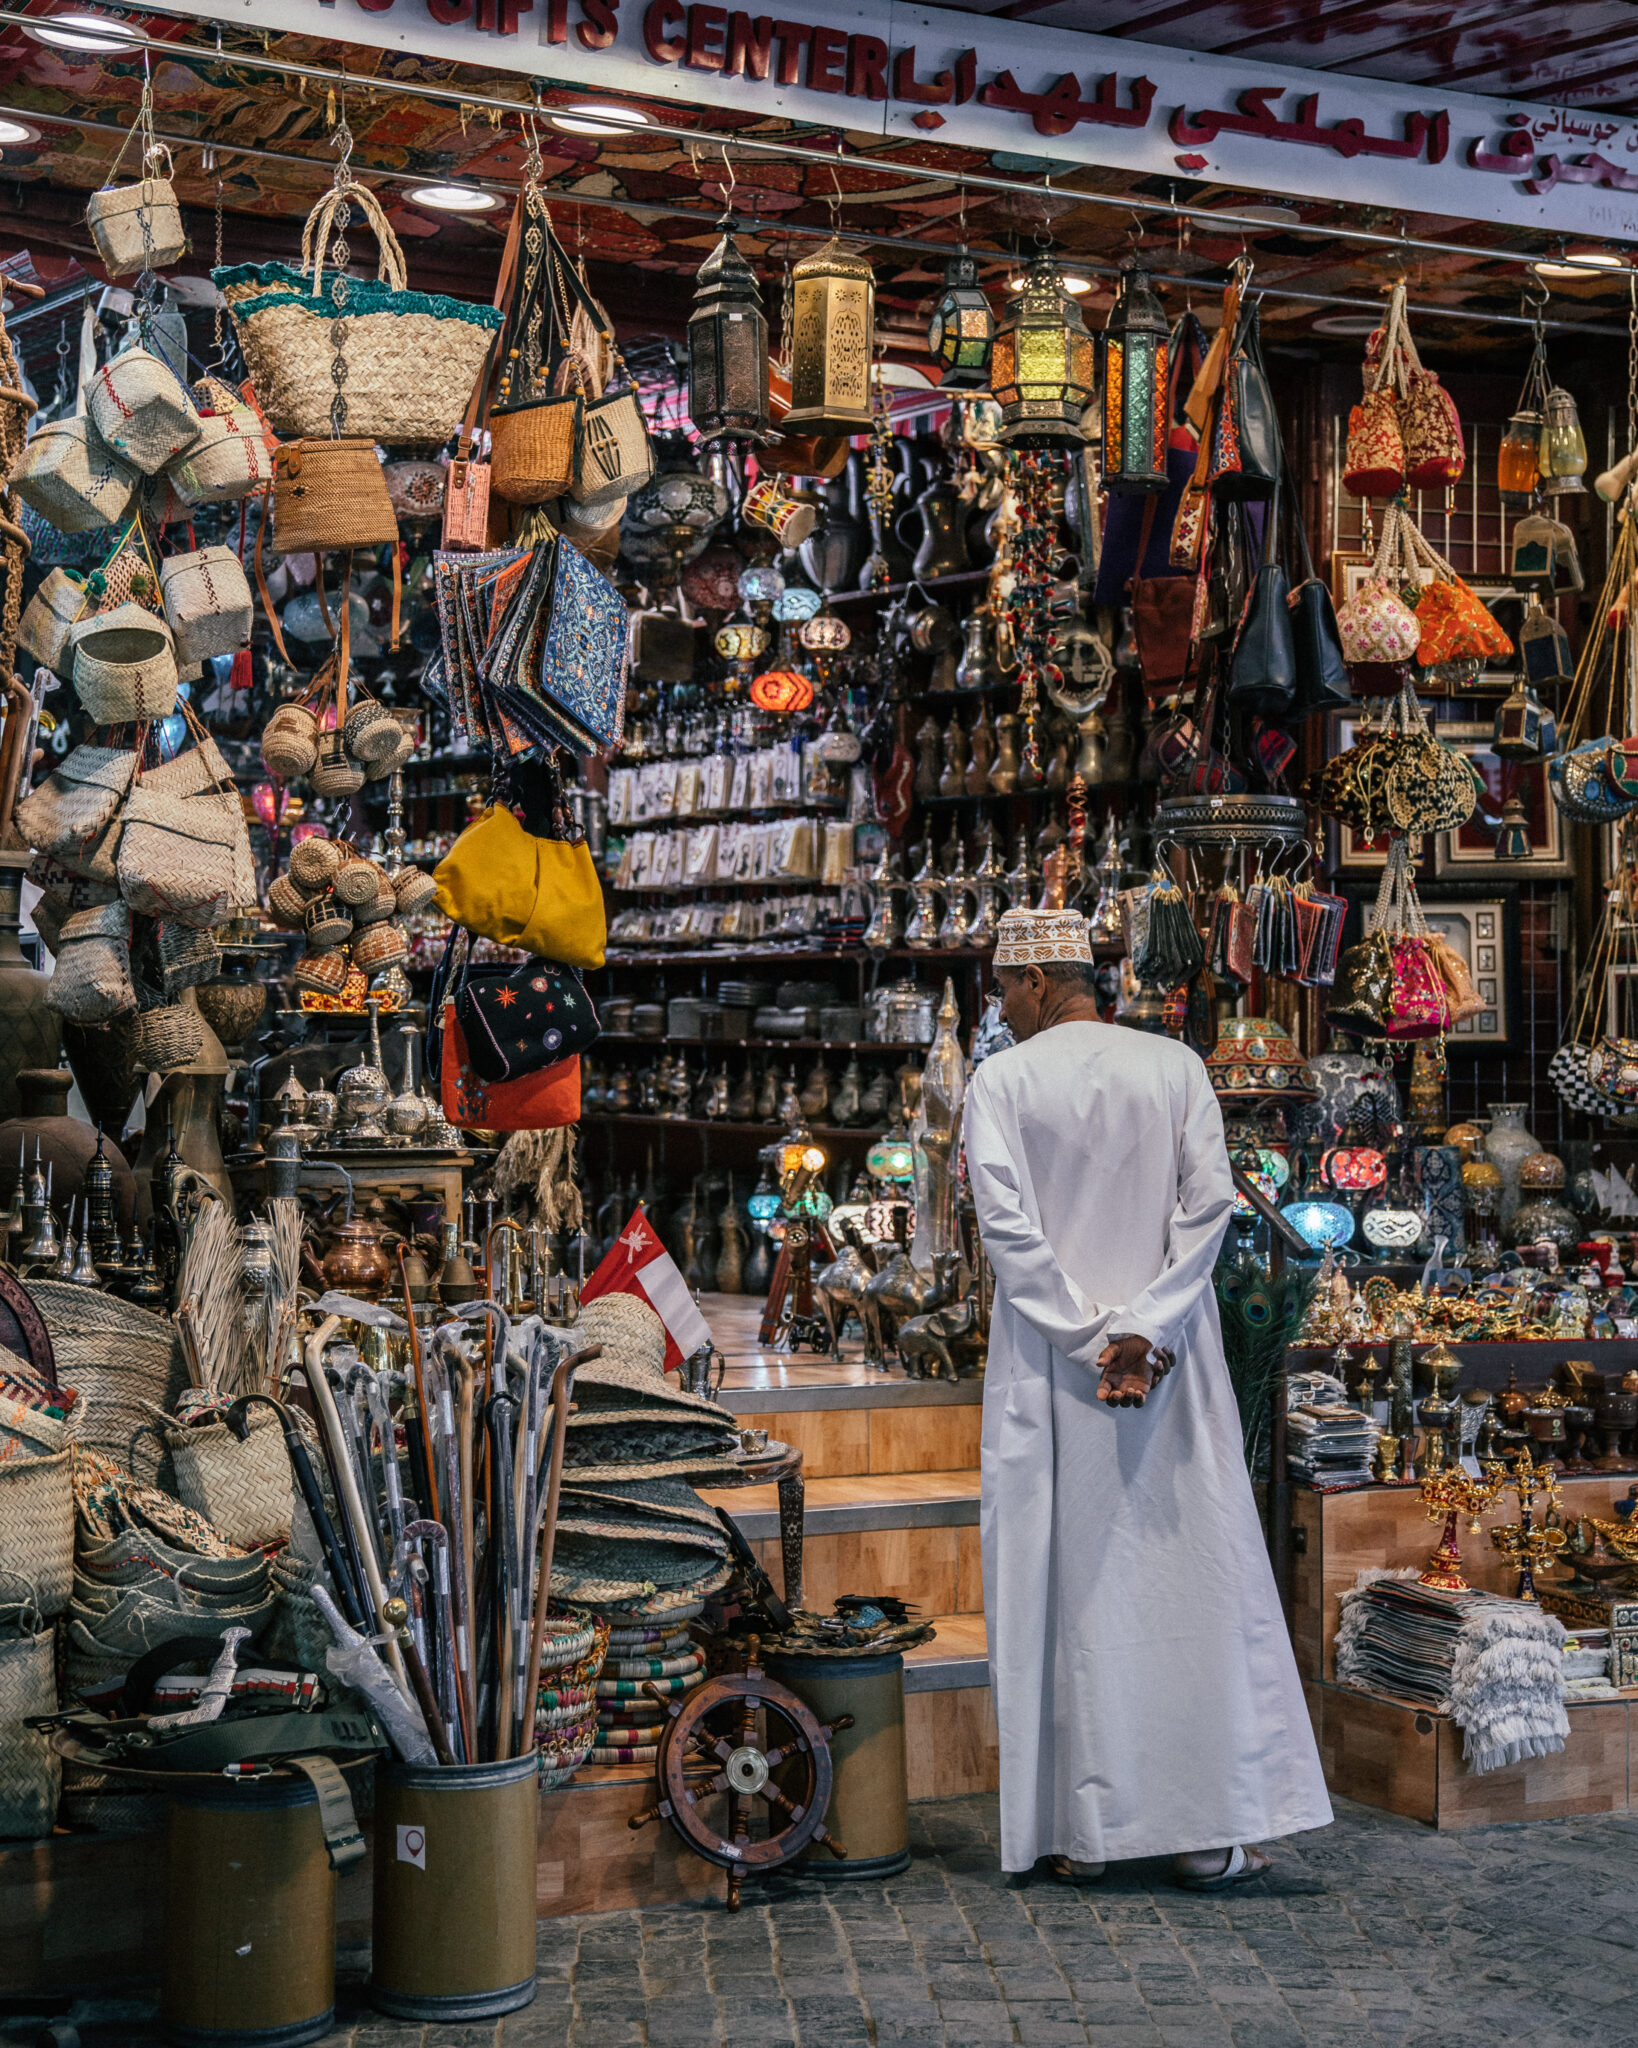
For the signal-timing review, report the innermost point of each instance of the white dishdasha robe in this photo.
(1144, 1683)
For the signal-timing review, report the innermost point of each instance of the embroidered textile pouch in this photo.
(1419, 1006)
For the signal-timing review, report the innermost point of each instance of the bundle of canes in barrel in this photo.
(445, 1483)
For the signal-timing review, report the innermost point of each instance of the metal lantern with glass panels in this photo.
(962, 329)
(833, 298)
(1135, 426)
(728, 349)
(1041, 362)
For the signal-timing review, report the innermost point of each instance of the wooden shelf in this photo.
(965, 580)
(866, 1134)
(762, 1044)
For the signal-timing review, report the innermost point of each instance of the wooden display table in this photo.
(1397, 1756)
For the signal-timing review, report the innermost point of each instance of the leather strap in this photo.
(261, 575)
(337, 1817)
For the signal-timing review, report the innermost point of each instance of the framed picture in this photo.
(1621, 999)
(1482, 925)
(1469, 853)
(1484, 931)
(1349, 568)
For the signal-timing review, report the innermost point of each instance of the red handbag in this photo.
(543, 1101)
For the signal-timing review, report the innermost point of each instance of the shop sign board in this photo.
(1049, 98)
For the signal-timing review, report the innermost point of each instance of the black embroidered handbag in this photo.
(517, 1020)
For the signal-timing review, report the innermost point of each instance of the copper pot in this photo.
(356, 1261)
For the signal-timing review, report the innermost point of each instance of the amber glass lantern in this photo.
(833, 301)
(962, 328)
(1135, 426)
(728, 349)
(1041, 364)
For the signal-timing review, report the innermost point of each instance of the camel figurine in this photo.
(947, 1342)
(900, 1291)
(840, 1289)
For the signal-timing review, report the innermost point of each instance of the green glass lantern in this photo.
(1135, 427)
(728, 349)
(1041, 362)
(962, 328)
(833, 300)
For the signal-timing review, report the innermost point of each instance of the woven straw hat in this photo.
(642, 1500)
(633, 1360)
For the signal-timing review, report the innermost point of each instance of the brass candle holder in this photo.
(1453, 1493)
(1526, 1543)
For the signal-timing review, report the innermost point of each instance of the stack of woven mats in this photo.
(634, 1540)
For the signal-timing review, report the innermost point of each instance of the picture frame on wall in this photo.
(1482, 924)
(1469, 853)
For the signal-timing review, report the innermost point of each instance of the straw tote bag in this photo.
(534, 421)
(91, 983)
(77, 801)
(410, 358)
(31, 1772)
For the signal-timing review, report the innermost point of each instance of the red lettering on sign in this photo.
(705, 24)
(749, 46)
(600, 26)
(557, 21)
(793, 38)
(509, 12)
(906, 85)
(827, 53)
(662, 16)
(866, 68)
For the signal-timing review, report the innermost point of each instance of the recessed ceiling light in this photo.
(1579, 263)
(452, 198)
(96, 33)
(1346, 323)
(17, 131)
(1072, 283)
(599, 117)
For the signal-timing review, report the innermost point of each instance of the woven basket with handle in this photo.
(30, 1772)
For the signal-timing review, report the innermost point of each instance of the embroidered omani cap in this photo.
(1036, 938)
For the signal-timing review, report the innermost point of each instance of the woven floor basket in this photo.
(120, 1358)
(244, 1490)
(36, 1535)
(30, 1771)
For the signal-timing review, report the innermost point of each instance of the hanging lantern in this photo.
(1518, 457)
(1041, 362)
(824, 633)
(1545, 648)
(728, 349)
(782, 690)
(833, 333)
(1513, 839)
(1561, 452)
(962, 328)
(1135, 426)
(1525, 729)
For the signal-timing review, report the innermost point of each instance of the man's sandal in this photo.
(1240, 1869)
(1067, 1871)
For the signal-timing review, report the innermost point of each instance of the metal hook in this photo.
(733, 178)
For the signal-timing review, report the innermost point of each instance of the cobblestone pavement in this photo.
(1374, 1930)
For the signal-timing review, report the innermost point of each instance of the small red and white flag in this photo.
(639, 1264)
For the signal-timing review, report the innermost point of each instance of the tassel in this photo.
(239, 676)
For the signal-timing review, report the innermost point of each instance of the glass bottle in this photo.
(1482, 1191)
(1507, 1147)
(1561, 452)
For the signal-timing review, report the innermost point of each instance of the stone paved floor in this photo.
(1374, 1930)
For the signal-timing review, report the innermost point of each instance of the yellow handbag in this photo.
(541, 894)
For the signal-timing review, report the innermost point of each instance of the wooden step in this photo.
(949, 1717)
(913, 1535)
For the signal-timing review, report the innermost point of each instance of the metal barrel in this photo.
(869, 1801)
(250, 1917)
(454, 1929)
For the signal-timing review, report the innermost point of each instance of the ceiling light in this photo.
(599, 117)
(1579, 263)
(1347, 323)
(1075, 285)
(91, 32)
(453, 198)
(17, 131)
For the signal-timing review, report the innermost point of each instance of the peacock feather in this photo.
(1260, 1316)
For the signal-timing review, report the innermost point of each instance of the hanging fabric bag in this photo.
(544, 1101)
(409, 359)
(1375, 624)
(184, 856)
(1263, 667)
(1453, 621)
(1435, 453)
(1373, 463)
(541, 894)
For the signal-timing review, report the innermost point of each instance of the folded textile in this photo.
(1495, 1666)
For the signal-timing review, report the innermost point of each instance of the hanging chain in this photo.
(787, 318)
(1632, 360)
(154, 153)
(340, 285)
(216, 316)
